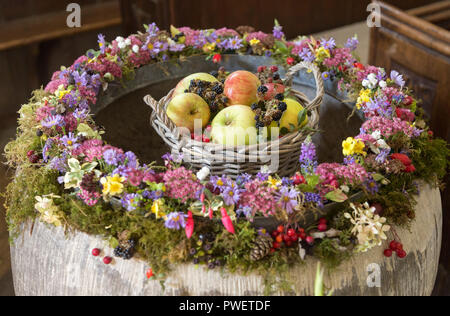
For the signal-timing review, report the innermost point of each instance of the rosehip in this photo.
(286, 238)
(149, 273)
(276, 245)
(107, 260)
(290, 60)
(273, 68)
(95, 252)
(301, 230)
(34, 158)
(291, 232)
(280, 228)
(310, 240)
(322, 227)
(388, 253)
(279, 239)
(261, 68)
(294, 238)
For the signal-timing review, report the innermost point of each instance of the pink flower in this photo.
(259, 197)
(181, 184)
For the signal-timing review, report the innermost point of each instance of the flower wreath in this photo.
(67, 175)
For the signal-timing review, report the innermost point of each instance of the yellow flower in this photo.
(352, 146)
(254, 41)
(157, 208)
(322, 53)
(209, 48)
(273, 182)
(112, 185)
(62, 93)
(364, 97)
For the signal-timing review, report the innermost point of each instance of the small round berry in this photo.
(322, 227)
(401, 253)
(96, 252)
(289, 243)
(275, 233)
(261, 68)
(30, 153)
(310, 240)
(280, 228)
(286, 238)
(149, 273)
(273, 69)
(34, 158)
(294, 238)
(107, 260)
(279, 238)
(262, 89)
(323, 220)
(393, 245)
(302, 236)
(282, 106)
(279, 97)
(388, 253)
(276, 245)
(291, 232)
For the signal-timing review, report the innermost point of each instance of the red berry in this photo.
(310, 240)
(299, 179)
(273, 68)
(149, 273)
(290, 60)
(301, 230)
(261, 68)
(408, 100)
(294, 238)
(280, 228)
(205, 139)
(95, 252)
(302, 236)
(286, 238)
(30, 153)
(430, 133)
(275, 233)
(107, 260)
(388, 253)
(401, 253)
(322, 227)
(291, 232)
(34, 158)
(393, 245)
(272, 250)
(288, 243)
(217, 58)
(322, 220)
(279, 239)
(276, 245)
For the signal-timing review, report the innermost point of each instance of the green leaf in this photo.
(301, 117)
(336, 196)
(74, 164)
(312, 180)
(377, 177)
(281, 46)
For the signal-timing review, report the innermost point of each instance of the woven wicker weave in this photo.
(235, 160)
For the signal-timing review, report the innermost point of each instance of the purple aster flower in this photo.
(307, 55)
(288, 199)
(101, 43)
(48, 144)
(348, 160)
(230, 195)
(176, 220)
(330, 44)
(352, 43)
(81, 80)
(262, 176)
(325, 75)
(268, 53)
(380, 105)
(59, 163)
(371, 185)
(111, 157)
(153, 29)
(278, 32)
(53, 120)
(69, 140)
(131, 201)
(286, 181)
(397, 78)
(80, 114)
(233, 43)
(176, 48)
(219, 183)
(242, 179)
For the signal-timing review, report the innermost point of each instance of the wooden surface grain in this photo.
(47, 262)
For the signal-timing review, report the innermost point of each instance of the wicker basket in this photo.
(236, 160)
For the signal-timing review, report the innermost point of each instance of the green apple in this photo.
(185, 108)
(289, 121)
(234, 126)
(183, 85)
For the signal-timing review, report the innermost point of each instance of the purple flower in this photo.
(53, 120)
(176, 48)
(131, 160)
(330, 44)
(262, 176)
(307, 55)
(245, 211)
(230, 195)
(176, 220)
(348, 160)
(59, 163)
(371, 185)
(278, 32)
(101, 43)
(131, 201)
(153, 29)
(112, 157)
(382, 156)
(219, 183)
(69, 140)
(325, 75)
(48, 144)
(242, 179)
(233, 43)
(380, 105)
(308, 157)
(268, 53)
(288, 199)
(397, 78)
(313, 198)
(352, 43)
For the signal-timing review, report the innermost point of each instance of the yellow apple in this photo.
(183, 85)
(185, 108)
(289, 120)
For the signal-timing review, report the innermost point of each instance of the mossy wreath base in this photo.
(51, 262)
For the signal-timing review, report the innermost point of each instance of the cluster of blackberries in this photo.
(269, 74)
(211, 92)
(125, 250)
(270, 111)
(220, 74)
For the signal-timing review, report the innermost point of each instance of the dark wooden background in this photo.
(34, 42)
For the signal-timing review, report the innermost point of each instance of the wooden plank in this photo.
(50, 26)
(430, 9)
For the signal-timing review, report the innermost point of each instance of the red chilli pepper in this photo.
(217, 58)
(226, 221)
(189, 225)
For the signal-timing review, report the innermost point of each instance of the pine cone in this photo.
(262, 247)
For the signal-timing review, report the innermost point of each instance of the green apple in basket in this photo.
(234, 126)
(293, 118)
(183, 85)
(185, 108)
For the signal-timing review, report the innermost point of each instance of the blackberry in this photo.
(214, 73)
(279, 97)
(276, 77)
(262, 89)
(282, 106)
(193, 251)
(211, 265)
(217, 88)
(254, 106)
(207, 247)
(196, 261)
(39, 133)
(259, 124)
(277, 116)
(124, 253)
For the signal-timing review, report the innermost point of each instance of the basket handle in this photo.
(315, 103)
(159, 110)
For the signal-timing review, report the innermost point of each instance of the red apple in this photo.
(241, 87)
(186, 108)
(273, 90)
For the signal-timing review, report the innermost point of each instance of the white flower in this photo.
(119, 39)
(128, 42)
(382, 84)
(50, 213)
(365, 83)
(135, 49)
(382, 144)
(122, 45)
(203, 173)
(345, 188)
(376, 134)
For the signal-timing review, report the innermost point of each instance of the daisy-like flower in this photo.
(328, 44)
(53, 120)
(288, 199)
(131, 201)
(69, 140)
(176, 220)
(231, 195)
(307, 55)
(278, 32)
(397, 78)
(233, 43)
(112, 185)
(101, 43)
(352, 43)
